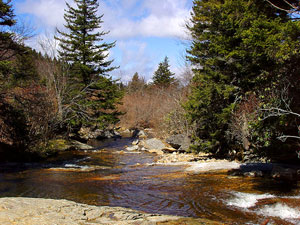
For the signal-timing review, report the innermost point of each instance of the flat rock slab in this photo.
(36, 211)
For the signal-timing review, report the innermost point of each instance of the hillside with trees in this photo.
(242, 101)
(43, 96)
(246, 58)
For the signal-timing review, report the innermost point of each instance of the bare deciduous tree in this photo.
(280, 108)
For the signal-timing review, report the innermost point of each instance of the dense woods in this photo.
(243, 97)
(246, 57)
(45, 96)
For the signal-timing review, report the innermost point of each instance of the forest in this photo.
(239, 96)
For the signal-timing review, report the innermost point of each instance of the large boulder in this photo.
(37, 211)
(180, 142)
(87, 133)
(154, 143)
(107, 134)
(81, 146)
(285, 174)
(139, 134)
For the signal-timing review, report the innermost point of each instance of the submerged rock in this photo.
(85, 169)
(133, 148)
(284, 174)
(81, 146)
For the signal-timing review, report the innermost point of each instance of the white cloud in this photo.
(124, 18)
(161, 19)
(48, 13)
(134, 58)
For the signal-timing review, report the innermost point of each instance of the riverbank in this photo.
(174, 151)
(109, 175)
(36, 211)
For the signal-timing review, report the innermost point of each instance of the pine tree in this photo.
(163, 76)
(6, 14)
(6, 20)
(80, 44)
(239, 47)
(136, 83)
(92, 95)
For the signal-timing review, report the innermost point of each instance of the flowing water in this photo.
(113, 177)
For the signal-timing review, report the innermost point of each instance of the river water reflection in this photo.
(111, 176)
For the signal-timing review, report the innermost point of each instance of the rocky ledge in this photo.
(36, 211)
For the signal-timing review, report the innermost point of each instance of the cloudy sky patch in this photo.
(145, 30)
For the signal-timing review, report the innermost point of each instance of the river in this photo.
(114, 177)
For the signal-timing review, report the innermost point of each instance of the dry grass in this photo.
(155, 107)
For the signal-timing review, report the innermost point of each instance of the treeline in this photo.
(243, 100)
(155, 104)
(246, 57)
(47, 96)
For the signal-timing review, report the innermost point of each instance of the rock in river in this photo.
(179, 141)
(35, 211)
(154, 143)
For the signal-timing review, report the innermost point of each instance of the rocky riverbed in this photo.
(146, 175)
(36, 211)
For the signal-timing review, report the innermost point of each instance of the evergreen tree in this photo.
(80, 44)
(239, 47)
(6, 14)
(163, 76)
(83, 48)
(6, 20)
(136, 83)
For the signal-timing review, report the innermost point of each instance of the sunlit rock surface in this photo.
(36, 211)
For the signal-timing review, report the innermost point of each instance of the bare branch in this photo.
(290, 4)
(278, 112)
(283, 138)
(290, 11)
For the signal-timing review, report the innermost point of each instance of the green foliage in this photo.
(6, 15)
(136, 83)
(25, 69)
(91, 96)
(81, 46)
(238, 47)
(13, 127)
(163, 76)
(5, 71)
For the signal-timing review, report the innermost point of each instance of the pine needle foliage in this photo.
(83, 48)
(163, 75)
(6, 14)
(82, 44)
(238, 47)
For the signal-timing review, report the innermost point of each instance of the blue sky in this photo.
(145, 30)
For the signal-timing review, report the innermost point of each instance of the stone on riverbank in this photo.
(87, 133)
(180, 142)
(48, 212)
(81, 146)
(154, 143)
(139, 134)
(133, 148)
